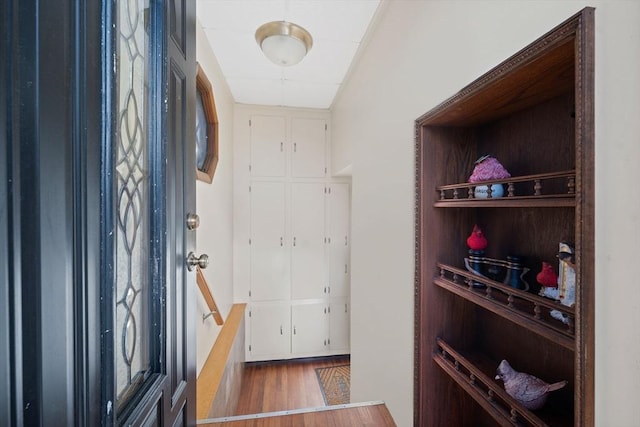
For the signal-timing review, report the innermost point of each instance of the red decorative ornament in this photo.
(547, 277)
(476, 239)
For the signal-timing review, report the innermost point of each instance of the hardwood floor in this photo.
(279, 386)
(369, 415)
(288, 394)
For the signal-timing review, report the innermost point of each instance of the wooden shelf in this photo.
(515, 202)
(475, 374)
(539, 190)
(523, 308)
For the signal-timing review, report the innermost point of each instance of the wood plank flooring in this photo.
(279, 386)
(288, 394)
(374, 415)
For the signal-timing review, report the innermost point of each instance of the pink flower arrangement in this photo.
(488, 168)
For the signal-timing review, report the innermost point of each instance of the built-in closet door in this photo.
(338, 201)
(268, 135)
(307, 230)
(268, 248)
(308, 142)
(270, 330)
(309, 328)
(339, 324)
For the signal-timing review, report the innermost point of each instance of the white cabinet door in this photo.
(268, 249)
(339, 212)
(308, 142)
(309, 325)
(268, 135)
(269, 331)
(339, 325)
(308, 271)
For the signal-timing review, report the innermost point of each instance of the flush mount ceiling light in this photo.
(284, 43)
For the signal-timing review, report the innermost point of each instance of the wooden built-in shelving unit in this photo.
(534, 113)
(524, 308)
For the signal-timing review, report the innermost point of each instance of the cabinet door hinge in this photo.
(249, 295)
(249, 122)
(325, 170)
(249, 310)
(249, 189)
(249, 241)
(325, 126)
(249, 168)
(249, 347)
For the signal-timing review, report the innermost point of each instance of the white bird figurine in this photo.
(530, 391)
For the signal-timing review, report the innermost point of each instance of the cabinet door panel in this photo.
(339, 244)
(269, 253)
(307, 228)
(339, 325)
(309, 329)
(270, 331)
(308, 141)
(267, 146)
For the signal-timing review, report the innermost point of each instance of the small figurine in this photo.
(488, 168)
(566, 275)
(547, 276)
(564, 290)
(476, 239)
(530, 391)
(477, 244)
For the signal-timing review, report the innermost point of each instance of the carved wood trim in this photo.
(563, 33)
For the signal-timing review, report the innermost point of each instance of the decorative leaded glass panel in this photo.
(132, 200)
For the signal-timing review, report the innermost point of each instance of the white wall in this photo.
(421, 53)
(215, 207)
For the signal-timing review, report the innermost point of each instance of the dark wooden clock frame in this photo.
(205, 90)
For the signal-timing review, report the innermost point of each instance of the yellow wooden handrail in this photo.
(208, 297)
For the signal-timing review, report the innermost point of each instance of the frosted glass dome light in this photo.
(284, 43)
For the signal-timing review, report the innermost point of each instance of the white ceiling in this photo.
(337, 28)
